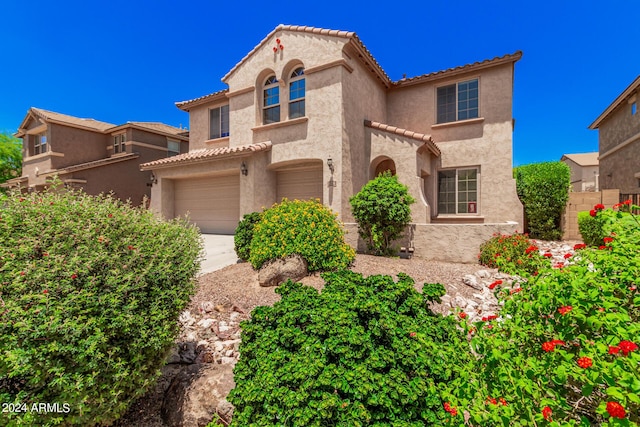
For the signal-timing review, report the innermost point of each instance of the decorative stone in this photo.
(206, 323)
(275, 272)
(186, 319)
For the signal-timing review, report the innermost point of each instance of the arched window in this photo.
(296, 93)
(271, 101)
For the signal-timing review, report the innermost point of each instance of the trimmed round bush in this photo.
(91, 290)
(364, 351)
(244, 234)
(512, 253)
(307, 228)
(590, 227)
(382, 209)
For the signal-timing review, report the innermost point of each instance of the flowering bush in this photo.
(90, 293)
(307, 228)
(244, 234)
(364, 351)
(511, 254)
(565, 348)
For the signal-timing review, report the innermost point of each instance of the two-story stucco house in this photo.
(619, 143)
(96, 156)
(309, 113)
(584, 171)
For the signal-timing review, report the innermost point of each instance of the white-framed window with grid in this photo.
(271, 101)
(458, 101)
(120, 143)
(40, 144)
(297, 91)
(458, 191)
(219, 122)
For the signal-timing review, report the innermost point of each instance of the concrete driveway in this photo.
(218, 252)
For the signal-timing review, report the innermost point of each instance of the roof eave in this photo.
(624, 95)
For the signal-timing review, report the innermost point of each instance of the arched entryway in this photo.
(384, 164)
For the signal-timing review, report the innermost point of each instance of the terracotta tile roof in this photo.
(513, 57)
(51, 116)
(583, 159)
(155, 127)
(366, 55)
(627, 93)
(206, 154)
(406, 133)
(186, 105)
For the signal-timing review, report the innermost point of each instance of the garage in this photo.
(213, 202)
(301, 184)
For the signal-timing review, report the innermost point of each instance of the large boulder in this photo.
(278, 271)
(197, 393)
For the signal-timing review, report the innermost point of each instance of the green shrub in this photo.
(382, 210)
(307, 228)
(543, 189)
(590, 229)
(91, 290)
(564, 350)
(364, 351)
(244, 234)
(511, 254)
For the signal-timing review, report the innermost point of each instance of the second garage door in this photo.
(301, 184)
(213, 203)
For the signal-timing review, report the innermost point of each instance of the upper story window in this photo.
(271, 101)
(634, 108)
(458, 191)
(173, 148)
(119, 143)
(296, 93)
(458, 101)
(219, 122)
(40, 144)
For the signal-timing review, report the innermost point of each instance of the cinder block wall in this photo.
(584, 201)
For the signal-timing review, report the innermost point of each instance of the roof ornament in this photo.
(278, 46)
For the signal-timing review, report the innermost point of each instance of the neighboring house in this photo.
(584, 171)
(309, 113)
(96, 156)
(619, 139)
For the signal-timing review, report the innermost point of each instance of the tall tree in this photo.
(10, 157)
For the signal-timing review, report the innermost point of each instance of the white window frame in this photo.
(219, 122)
(472, 109)
(271, 91)
(297, 76)
(40, 144)
(471, 204)
(120, 143)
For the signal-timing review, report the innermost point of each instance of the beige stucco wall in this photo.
(583, 178)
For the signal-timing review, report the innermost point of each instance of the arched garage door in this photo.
(213, 203)
(301, 184)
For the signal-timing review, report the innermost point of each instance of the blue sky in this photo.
(122, 61)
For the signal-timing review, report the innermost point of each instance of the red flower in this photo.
(585, 362)
(567, 256)
(502, 401)
(615, 410)
(592, 212)
(494, 284)
(450, 409)
(547, 255)
(463, 315)
(565, 309)
(627, 346)
(514, 291)
(412, 334)
(599, 207)
(608, 239)
(548, 346)
(557, 342)
(627, 202)
(45, 292)
(130, 247)
(110, 215)
(602, 247)
(530, 249)
(579, 246)
(546, 413)
(22, 273)
(74, 276)
(492, 400)
(613, 349)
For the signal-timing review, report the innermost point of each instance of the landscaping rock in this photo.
(196, 394)
(278, 271)
(472, 281)
(183, 353)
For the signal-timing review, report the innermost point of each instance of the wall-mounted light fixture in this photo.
(153, 179)
(330, 164)
(243, 169)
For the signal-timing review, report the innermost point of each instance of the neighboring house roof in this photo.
(627, 93)
(406, 133)
(583, 159)
(187, 105)
(206, 154)
(155, 127)
(93, 164)
(53, 117)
